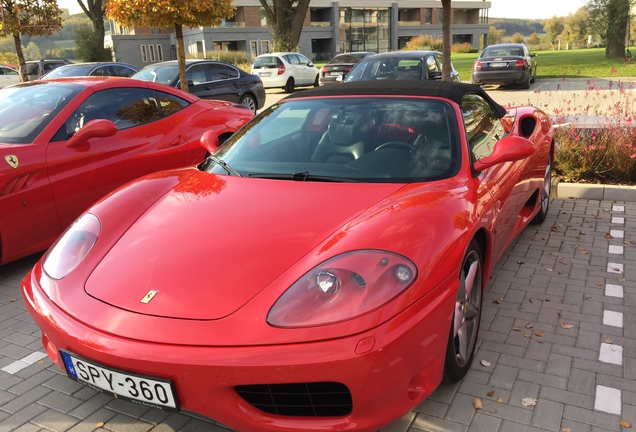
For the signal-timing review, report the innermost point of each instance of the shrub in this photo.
(235, 58)
(604, 151)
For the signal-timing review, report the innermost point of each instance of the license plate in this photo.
(143, 390)
(335, 73)
(265, 74)
(498, 65)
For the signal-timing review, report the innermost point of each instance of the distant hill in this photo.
(512, 26)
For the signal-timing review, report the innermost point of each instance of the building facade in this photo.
(331, 27)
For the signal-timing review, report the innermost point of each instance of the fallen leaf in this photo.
(529, 325)
(520, 262)
(587, 297)
(625, 424)
(490, 393)
(567, 326)
(498, 301)
(100, 425)
(516, 329)
(528, 402)
(554, 228)
(500, 400)
(539, 333)
(530, 300)
(616, 269)
(14, 300)
(621, 279)
(549, 269)
(599, 283)
(477, 404)
(609, 236)
(531, 237)
(567, 430)
(528, 335)
(485, 363)
(628, 242)
(609, 341)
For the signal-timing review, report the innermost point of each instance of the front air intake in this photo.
(321, 399)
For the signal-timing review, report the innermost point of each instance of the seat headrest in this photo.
(342, 127)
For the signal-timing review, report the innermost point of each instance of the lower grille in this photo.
(322, 399)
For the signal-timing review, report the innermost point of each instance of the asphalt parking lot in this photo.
(557, 349)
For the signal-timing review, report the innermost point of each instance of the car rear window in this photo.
(269, 62)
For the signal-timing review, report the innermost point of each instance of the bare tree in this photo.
(446, 40)
(286, 18)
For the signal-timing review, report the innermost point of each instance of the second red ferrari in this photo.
(65, 143)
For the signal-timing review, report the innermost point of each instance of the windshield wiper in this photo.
(302, 176)
(220, 162)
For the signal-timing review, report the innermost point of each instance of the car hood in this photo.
(212, 243)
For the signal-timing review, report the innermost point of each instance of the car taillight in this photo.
(281, 69)
(323, 69)
(477, 65)
(520, 64)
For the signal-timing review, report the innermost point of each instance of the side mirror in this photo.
(210, 141)
(99, 128)
(435, 75)
(310, 64)
(507, 149)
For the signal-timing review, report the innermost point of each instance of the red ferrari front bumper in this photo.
(361, 382)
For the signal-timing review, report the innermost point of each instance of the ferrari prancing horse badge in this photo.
(12, 160)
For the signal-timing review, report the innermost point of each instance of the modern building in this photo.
(331, 27)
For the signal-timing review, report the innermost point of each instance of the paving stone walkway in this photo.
(557, 348)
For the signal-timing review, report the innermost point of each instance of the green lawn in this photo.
(582, 62)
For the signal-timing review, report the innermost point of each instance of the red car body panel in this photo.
(53, 183)
(207, 331)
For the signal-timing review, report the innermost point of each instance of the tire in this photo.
(545, 195)
(466, 316)
(249, 101)
(317, 81)
(526, 84)
(534, 76)
(289, 85)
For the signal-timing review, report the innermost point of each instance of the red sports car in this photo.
(66, 143)
(323, 270)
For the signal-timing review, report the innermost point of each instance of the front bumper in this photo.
(386, 370)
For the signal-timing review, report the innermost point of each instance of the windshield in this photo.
(361, 139)
(386, 68)
(164, 73)
(266, 62)
(26, 109)
(69, 71)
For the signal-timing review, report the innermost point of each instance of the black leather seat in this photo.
(342, 142)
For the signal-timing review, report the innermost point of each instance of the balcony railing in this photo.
(320, 24)
(409, 23)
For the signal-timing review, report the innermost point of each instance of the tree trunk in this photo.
(286, 21)
(18, 50)
(446, 40)
(178, 31)
(94, 10)
(618, 18)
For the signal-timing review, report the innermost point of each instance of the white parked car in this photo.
(286, 70)
(8, 76)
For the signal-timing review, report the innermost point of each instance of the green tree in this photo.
(609, 18)
(286, 18)
(32, 52)
(553, 28)
(30, 18)
(90, 45)
(576, 27)
(534, 39)
(495, 36)
(171, 13)
(517, 38)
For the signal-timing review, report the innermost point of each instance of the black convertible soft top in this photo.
(448, 90)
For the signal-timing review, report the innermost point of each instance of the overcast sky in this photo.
(533, 9)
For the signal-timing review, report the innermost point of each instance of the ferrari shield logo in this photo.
(149, 295)
(12, 160)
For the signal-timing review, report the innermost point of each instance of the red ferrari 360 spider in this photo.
(66, 143)
(323, 270)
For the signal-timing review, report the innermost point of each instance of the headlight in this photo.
(72, 247)
(342, 288)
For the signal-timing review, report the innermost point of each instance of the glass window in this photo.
(144, 55)
(126, 107)
(216, 72)
(483, 128)
(159, 52)
(196, 74)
